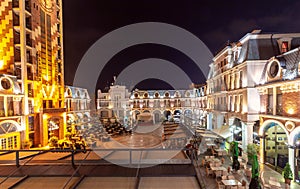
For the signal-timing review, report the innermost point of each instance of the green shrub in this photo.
(252, 149)
(287, 172)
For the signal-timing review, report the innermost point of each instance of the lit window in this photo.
(284, 47)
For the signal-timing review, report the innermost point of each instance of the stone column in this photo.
(292, 160)
(247, 134)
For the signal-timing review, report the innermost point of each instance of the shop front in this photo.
(53, 124)
(275, 144)
(9, 136)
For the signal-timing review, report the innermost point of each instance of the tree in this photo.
(254, 184)
(287, 173)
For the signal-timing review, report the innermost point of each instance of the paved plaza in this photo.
(107, 167)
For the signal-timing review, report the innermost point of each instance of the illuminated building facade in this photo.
(31, 64)
(256, 97)
(161, 104)
(77, 103)
(115, 103)
(279, 109)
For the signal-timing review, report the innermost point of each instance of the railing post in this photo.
(130, 157)
(17, 159)
(72, 158)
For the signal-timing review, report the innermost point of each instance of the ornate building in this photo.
(279, 89)
(115, 103)
(255, 96)
(31, 64)
(161, 104)
(77, 104)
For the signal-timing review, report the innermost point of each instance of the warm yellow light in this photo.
(45, 116)
(1, 64)
(290, 111)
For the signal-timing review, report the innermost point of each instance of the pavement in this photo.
(54, 175)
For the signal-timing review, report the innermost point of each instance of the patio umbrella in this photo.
(235, 155)
(254, 184)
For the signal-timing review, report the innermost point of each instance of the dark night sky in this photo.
(213, 21)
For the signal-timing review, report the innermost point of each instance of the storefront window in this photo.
(276, 150)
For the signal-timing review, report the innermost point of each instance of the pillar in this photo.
(292, 160)
(209, 121)
(247, 134)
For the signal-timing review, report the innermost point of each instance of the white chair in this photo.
(265, 185)
(209, 172)
(218, 174)
(220, 185)
(225, 173)
(220, 154)
(274, 179)
(248, 173)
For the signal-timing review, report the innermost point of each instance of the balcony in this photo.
(28, 6)
(30, 92)
(17, 56)
(15, 4)
(30, 76)
(16, 21)
(29, 42)
(29, 59)
(270, 111)
(279, 110)
(28, 25)
(16, 39)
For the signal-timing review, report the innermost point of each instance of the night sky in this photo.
(214, 22)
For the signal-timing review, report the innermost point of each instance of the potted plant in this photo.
(287, 173)
(26, 144)
(252, 149)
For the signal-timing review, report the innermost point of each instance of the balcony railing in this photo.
(17, 57)
(269, 110)
(16, 21)
(29, 42)
(15, 4)
(30, 76)
(28, 25)
(279, 110)
(28, 6)
(30, 92)
(17, 39)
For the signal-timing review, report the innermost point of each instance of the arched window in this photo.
(7, 128)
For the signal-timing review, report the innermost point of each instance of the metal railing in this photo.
(129, 160)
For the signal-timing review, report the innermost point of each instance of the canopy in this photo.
(224, 131)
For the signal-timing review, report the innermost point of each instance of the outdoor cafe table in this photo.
(201, 131)
(210, 144)
(274, 183)
(231, 182)
(208, 135)
(213, 159)
(218, 168)
(222, 151)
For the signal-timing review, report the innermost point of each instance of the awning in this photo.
(224, 131)
(208, 135)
